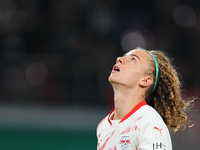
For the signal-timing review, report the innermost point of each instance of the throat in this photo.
(124, 104)
(121, 109)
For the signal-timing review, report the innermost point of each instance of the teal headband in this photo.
(157, 72)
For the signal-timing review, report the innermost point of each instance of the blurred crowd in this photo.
(61, 52)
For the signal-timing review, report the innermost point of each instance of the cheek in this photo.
(137, 73)
(134, 77)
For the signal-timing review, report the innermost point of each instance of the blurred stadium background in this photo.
(56, 56)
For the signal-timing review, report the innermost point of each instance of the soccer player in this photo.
(147, 103)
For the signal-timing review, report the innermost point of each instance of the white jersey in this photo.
(141, 129)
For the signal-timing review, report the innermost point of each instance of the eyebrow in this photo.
(132, 55)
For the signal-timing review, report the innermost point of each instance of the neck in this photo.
(125, 99)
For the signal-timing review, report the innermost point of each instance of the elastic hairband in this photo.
(157, 72)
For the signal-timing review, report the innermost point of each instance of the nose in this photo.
(119, 60)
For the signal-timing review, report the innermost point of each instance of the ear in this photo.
(145, 82)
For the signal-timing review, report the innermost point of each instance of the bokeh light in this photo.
(36, 74)
(131, 40)
(184, 16)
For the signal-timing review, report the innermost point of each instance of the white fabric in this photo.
(142, 130)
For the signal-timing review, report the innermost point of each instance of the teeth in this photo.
(116, 68)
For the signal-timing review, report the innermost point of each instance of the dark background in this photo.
(57, 54)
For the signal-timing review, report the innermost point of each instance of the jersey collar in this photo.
(138, 106)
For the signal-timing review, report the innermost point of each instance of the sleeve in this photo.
(154, 136)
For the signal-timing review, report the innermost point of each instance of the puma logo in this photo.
(158, 130)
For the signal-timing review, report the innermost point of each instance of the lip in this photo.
(115, 69)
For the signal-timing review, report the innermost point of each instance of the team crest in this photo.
(125, 142)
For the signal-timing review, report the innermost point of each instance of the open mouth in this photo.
(115, 68)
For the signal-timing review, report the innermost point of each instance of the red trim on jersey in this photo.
(134, 110)
(109, 116)
(138, 106)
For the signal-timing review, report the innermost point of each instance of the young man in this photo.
(147, 102)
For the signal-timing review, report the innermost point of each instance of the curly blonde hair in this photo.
(166, 98)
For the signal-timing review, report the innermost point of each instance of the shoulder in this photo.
(151, 122)
(149, 118)
(150, 114)
(153, 129)
(102, 121)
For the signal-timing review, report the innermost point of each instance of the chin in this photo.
(111, 79)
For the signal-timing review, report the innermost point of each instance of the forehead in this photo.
(142, 54)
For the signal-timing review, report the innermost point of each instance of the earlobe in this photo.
(146, 82)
